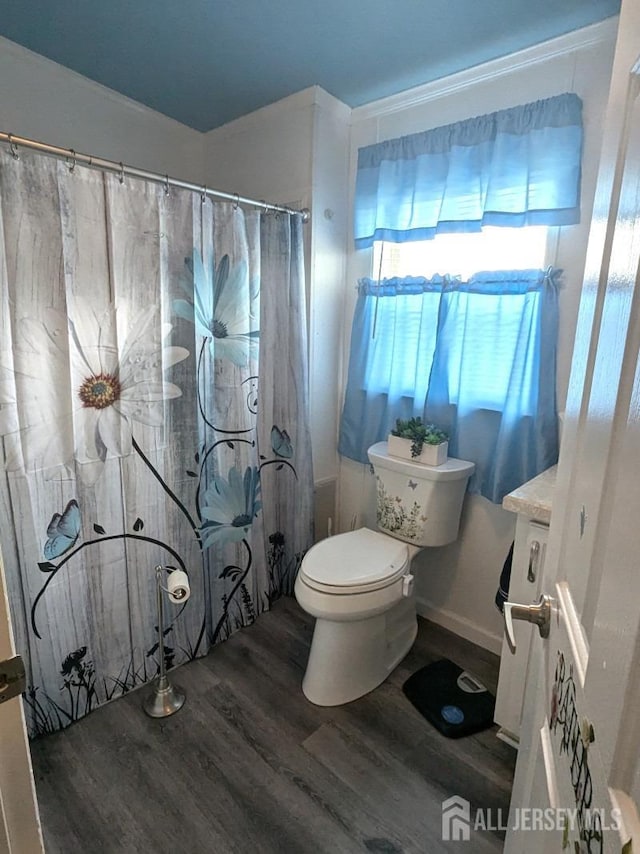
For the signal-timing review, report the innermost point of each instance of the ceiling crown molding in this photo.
(586, 37)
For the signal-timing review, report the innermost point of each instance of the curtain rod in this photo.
(121, 169)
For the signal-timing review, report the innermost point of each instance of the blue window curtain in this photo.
(513, 168)
(478, 358)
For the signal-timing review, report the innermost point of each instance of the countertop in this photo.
(534, 498)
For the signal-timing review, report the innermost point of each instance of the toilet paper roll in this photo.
(178, 586)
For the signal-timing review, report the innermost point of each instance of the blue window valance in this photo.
(515, 167)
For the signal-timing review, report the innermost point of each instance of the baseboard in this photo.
(508, 738)
(460, 626)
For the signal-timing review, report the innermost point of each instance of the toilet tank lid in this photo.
(356, 558)
(453, 469)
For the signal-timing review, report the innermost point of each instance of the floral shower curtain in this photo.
(152, 411)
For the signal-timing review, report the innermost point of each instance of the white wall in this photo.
(457, 583)
(45, 101)
(329, 204)
(266, 154)
(296, 151)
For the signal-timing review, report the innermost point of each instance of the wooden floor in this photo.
(249, 765)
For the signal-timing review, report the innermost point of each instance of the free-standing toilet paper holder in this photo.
(164, 699)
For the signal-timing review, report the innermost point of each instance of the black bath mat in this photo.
(451, 699)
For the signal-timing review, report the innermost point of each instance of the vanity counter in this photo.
(534, 498)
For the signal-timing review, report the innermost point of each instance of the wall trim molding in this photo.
(459, 626)
(577, 40)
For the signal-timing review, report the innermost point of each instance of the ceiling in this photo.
(206, 62)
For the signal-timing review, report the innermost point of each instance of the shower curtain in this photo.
(152, 412)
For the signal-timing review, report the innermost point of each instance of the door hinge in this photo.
(13, 678)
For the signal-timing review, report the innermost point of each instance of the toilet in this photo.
(359, 585)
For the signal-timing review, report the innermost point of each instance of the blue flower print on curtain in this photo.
(222, 301)
(218, 311)
(230, 506)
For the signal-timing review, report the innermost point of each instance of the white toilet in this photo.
(359, 585)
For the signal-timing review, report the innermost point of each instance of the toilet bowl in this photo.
(359, 585)
(359, 588)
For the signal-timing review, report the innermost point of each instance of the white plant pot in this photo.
(432, 455)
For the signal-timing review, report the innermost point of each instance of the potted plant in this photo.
(422, 443)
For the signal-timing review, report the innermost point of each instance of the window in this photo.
(492, 248)
(462, 255)
(460, 330)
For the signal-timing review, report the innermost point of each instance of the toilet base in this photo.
(350, 658)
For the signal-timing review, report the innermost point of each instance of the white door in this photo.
(19, 820)
(577, 782)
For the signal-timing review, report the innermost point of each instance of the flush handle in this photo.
(538, 614)
(534, 558)
(407, 585)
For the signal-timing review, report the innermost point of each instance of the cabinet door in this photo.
(526, 572)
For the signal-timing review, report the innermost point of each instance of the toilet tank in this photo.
(417, 503)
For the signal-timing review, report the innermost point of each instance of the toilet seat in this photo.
(357, 562)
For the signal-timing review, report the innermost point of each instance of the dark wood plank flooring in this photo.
(249, 765)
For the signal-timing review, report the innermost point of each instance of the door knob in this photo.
(539, 614)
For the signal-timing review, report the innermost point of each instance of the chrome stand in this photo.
(164, 699)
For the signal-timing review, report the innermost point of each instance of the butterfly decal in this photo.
(63, 531)
(281, 442)
(412, 484)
